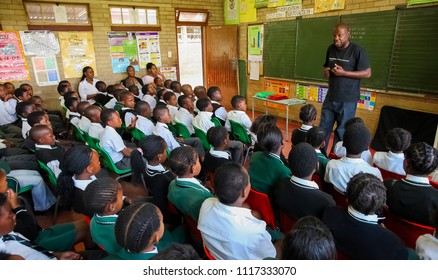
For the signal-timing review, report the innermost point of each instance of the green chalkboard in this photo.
(279, 49)
(375, 33)
(313, 38)
(415, 55)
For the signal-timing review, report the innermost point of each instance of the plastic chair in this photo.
(406, 230)
(216, 121)
(78, 133)
(53, 182)
(390, 175)
(286, 222)
(92, 142)
(260, 202)
(333, 156)
(137, 134)
(203, 136)
(15, 185)
(182, 129)
(433, 184)
(339, 197)
(108, 162)
(172, 129)
(317, 180)
(239, 132)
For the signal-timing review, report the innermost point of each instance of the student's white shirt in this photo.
(128, 116)
(95, 130)
(85, 89)
(233, 233)
(220, 112)
(75, 118)
(203, 121)
(83, 184)
(185, 117)
(16, 248)
(144, 125)
(150, 100)
(220, 154)
(161, 129)
(340, 151)
(8, 114)
(339, 172)
(25, 127)
(390, 161)
(54, 164)
(111, 103)
(427, 247)
(112, 142)
(172, 111)
(84, 124)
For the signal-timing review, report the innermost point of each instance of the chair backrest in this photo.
(78, 133)
(182, 129)
(203, 136)
(407, 231)
(260, 202)
(52, 178)
(109, 163)
(13, 184)
(340, 198)
(433, 184)
(239, 132)
(317, 179)
(173, 129)
(286, 223)
(390, 175)
(137, 134)
(216, 121)
(92, 142)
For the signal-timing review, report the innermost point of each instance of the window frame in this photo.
(136, 26)
(191, 23)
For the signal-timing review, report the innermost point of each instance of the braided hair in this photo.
(422, 158)
(366, 193)
(398, 139)
(181, 159)
(100, 193)
(216, 135)
(308, 113)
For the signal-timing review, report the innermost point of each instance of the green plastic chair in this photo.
(216, 121)
(109, 163)
(183, 131)
(78, 133)
(92, 142)
(53, 182)
(203, 136)
(173, 129)
(238, 131)
(137, 134)
(15, 185)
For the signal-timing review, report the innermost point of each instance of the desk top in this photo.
(287, 102)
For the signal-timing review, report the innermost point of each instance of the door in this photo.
(190, 55)
(221, 60)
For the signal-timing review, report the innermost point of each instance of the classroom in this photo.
(247, 48)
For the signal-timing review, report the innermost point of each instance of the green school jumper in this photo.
(265, 169)
(102, 232)
(188, 197)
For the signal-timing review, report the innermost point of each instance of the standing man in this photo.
(345, 64)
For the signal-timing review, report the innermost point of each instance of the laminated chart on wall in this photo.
(367, 100)
(279, 88)
(41, 42)
(123, 51)
(77, 51)
(328, 5)
(46, 70)
(231, 11)
(13, 66)
(247, 11)
(148, 46)
(169, 73)
(311, 92)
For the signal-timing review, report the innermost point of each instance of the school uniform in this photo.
(8, 119)
(390, 161)
(239, 117)
(118, 106)
(185, 117)
(78, 196)
(161, 129)
(188, 194)
(85, 89)
(172, 111)
(360, 237)
(102, 232)
(265, 169)
(22, 247)
(412, 199)
(212, 161)
(124, 254)
(25, 127)
(75, 118)
(203, 121)
(299, 134)
(145, 125)
(127, 115)
(340, 171)
(95, 130)
(219, 111)
(52, 156)
(113, 144)
(427, 247)
(297, 198)
(340, 151)
(323, 161)
(84, 124)
(150, 100)
(233, 233)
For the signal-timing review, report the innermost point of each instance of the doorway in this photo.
(190, 58)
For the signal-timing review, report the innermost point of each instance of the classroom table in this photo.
(284, 102)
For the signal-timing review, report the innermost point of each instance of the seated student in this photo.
(8, 117)
(118, 95)
(167, 83)
(149, 93)
(148, 171)
(17, 244)
(228, 229)
(55, 116)
(202, 120)
(128, 114)
(427, 244)
(397, 140)
(10, 88)
(316, 138)
(72, 114)
(177, 252)
(84, 122)
(158, 82)
(93, 114)
(309, 239)
(170, 98)
(357, 233)
(299, 196)
(23, 110)
(34, 119)
(340, 150)
(27, 87)
(186, 192)
(46, 149)
(59, 237)
(159, 96)
(22, 95)
(266, 168)
(175, 86)
(17, 158)
(143, 123)
(80, 165)
(62, 89)
(199, 92)
(339, 172)
(308, 117)
(104, 198)
(162, 116)
(185, 114)
(105, 97)
(413, 198)
(215, 95)
(239, 115)
(138, 95)
(186, 89)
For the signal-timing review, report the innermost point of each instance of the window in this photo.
(191, 17)
(134, 16)
(51, 13)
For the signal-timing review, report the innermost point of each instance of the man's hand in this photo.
(338, 70)
(326, 72)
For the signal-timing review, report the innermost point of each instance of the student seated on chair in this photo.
(265, 167)
(93, 114)
(159, 96)
(308, 117)
(357, 232)
(112, 142)
(72, 114)
(413, 198)
(199, 92)
(172, 103)
(23, 110)
(9, 123)
(22, 95)
(185, 114)
(128, 114)
(316, 138)
(144, 112)
(215, 95)
(427, 244)
(84, 123)
(228, 229)
(397, 140)
(238, 115)
(299, 196)
(175, 86)
(149, 93)
(339, 172)
(55, 116)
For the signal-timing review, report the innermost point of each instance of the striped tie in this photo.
(10, 237)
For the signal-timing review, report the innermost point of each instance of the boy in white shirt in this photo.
(144, 112)
(149, 93)
(170, 98)
(93, 114)
(8, 116)
(215, 95)
(23, 110)
(185, 114)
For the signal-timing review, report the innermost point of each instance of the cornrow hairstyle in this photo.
(35, 117)
(353, 121)
(308, 113)
(22, 107)
(315, 136)
(302, 160)
(136, 225)
(211, 91)
(229, 181)
(261, 121)
(18, 92)
(183, 99)
(366, 193)
(106, 114)
(236, 100)
(75, 162)
(356, 138)
(202, 103)
(181, 159)
(309, 239)
(100, 193)
(216, 135)
(177, 251)
(151, 146)
(270, 139)
(422, 158)
(167, 95)
(398, 140)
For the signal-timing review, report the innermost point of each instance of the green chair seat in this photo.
(183, 131)
(203, 136)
